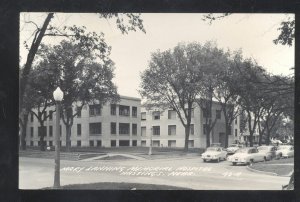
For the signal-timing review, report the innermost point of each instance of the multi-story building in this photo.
(110, 125)
(166, 130)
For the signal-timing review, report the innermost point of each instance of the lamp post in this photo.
(150, 148)
(58, 96)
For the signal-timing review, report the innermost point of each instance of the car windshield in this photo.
(283, 147)
(233, 145)
(262, 148)
(213, 149)
(243, 150)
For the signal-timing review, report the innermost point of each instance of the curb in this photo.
(262, 172)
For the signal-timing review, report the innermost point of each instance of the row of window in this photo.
(171, 143)
(171, 130)
(94, 129)
(95, 110)
(172, 114)
(93, 143)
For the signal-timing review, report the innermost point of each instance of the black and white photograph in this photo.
(156, 101)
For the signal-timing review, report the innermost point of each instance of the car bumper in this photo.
(209, 158)
(238, 161)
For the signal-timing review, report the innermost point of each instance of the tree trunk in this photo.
(42, 136)
(187, 134)
(227, 131)
(68, 137)
(23, 133)
(207, 137)
(268, 137)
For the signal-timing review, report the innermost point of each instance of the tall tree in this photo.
(213, 61)
(251, 95)
(125, 22)
(227, 92)
(172, 81)
(82, 77)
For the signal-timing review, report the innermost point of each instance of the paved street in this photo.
(188, 172)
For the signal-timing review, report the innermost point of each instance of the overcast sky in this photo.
(253, 33)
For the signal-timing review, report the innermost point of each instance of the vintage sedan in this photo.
(214, 154)
(268, 151)
(233, 148)
(247, 155)
(286, 150)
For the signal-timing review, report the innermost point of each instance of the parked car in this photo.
(214, 154)
(247, 155)
(286, 150)
(233, 148)
(268, 151)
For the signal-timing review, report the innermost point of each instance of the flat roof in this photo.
(130, 98)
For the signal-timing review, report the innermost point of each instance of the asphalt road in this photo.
(188, 172)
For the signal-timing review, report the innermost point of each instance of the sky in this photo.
(251, 33)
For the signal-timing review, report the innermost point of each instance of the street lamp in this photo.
(58, 96)
(150, 148)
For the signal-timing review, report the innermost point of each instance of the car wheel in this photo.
(204, 160)
(234, 163)
(265, 158)
(251, 162)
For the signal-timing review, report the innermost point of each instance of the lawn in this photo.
(121, 186)
(280, 167)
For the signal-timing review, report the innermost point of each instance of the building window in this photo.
(235, 132)
(31, 117)
(113, 109)
(171, 114)
(78, 129)
(155, 143)
(143, 131)
(134, 143)
(143, 116)
(113, 143)
(156, 115)
(113, 128)
(124, 128)
(91, 143)
(50, 131)
(171, 143)
(99, 143)
(143, 143)
(95, 110)
(230, 132)
(95, 128)
(124, 110)
(78, 111)
(31, 143)
(45, 115)
(42, 129)
(235, 121)
(60, 130)
(134, 129)
(218, 114)
(124, 143)
(50, 143)
(78, 143)
(134, 111)
(204, 129)
(156, 130)
(192, 129)
(31, 132)
(172, 130)
(191, 143)
(50, 115)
